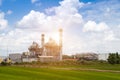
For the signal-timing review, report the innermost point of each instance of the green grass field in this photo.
(51, 73)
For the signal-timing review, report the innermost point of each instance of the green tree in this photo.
(114, 58)
(111, 58)
(117, 58)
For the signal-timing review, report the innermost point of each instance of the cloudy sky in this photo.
(88, 25)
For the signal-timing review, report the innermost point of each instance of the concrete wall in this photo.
(29, 59)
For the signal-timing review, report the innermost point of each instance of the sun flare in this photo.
(55, 36)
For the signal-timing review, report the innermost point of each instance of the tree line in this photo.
(114, 58)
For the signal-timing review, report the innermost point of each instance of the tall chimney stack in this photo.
(42, 40)
(60, 42)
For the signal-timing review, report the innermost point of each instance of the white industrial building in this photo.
(46, 51)
(15, 57)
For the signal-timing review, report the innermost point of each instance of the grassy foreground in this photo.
(29, 73)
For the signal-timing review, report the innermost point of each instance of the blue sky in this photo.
(85, 22)
(22, 7)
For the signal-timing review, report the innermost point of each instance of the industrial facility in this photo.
(49, 51)
(87, 56)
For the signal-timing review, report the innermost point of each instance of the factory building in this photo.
(49, 51)
(15, 57)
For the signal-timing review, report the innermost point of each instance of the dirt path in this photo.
(77, 69)
(87, 69)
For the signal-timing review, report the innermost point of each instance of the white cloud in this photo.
(18, 40)
(68, 7)
(92, 26)
(66, 15)
(9, 12)
(34, 1)
(110, 36)
(119, 26)
(32, 20)
(108, 9)
(3, 21)
(100, 30)
(105, 11)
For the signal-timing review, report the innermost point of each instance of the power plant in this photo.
(48, 51)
